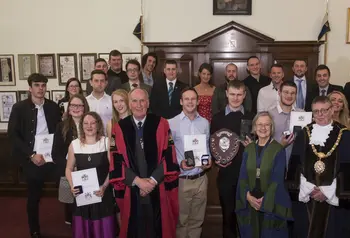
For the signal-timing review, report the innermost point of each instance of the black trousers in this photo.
(227, 195)
(36, 177)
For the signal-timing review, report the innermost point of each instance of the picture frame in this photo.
(87, 65)
(67, 67)
(131, 55)
(26, 65)
(7, 70)
(47, 65)
(232, 7)
(8, 99)
(57, 95)
(348, 28)
(104, 56)
(24, 94)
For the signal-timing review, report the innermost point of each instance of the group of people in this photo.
(132, 127)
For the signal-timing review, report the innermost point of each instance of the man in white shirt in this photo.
(98, 100)
(268, 96)
(318, 176)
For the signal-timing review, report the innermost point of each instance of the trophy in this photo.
(224, 145)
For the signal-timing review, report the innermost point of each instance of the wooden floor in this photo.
(13, 220)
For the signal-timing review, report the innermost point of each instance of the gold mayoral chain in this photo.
(320, 166)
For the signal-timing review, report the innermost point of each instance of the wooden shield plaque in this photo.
(224, 145)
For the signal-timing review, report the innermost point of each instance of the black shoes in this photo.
(36, 235)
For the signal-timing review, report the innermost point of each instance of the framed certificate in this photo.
(8, 99)
(7, 70)
(57, 95)
(67, 67)
(104, 56)
(47, 65)
(26, 65)
(87, 65)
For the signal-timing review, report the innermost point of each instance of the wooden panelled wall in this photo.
(229, 43)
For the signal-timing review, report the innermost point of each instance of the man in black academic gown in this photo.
(230, 118)
(318, 176)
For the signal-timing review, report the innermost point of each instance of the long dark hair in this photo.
(66, 93)
(68, 123)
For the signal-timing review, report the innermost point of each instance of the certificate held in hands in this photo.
(87, 181)
(43, 146)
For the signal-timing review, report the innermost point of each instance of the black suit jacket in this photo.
(347, 92)
(315, 91)
(22, 126)
(159, 104)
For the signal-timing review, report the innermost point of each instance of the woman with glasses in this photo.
(89, 151)
(340, 108)
(263, 205)
(67, 131)
(73, 87)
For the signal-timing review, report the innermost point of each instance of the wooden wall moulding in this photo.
(235, 43)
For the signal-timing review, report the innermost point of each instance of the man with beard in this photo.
(318, 176)
(144, 172)
(255, 81)
(30, 118)
(268, 96)
(304, 93)
(219, 101)
(149, 63)
(230, 118)
(281, 116)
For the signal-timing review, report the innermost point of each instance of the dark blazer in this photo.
(22, 126)
(254, 87)
(315, 91)
(60, 148)
(347, 92)
(126, 86)
(159, 102)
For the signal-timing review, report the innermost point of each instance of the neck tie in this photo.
(140, 133)
(134, 85)
(300, 97)
(170, 91)
(323, 92)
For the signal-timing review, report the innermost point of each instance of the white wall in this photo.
(85, 26)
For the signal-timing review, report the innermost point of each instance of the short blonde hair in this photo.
(263, 114)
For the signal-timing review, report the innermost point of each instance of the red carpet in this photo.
(13, 219)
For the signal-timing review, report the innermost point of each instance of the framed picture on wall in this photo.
(57, 95)
(23, 95)
(232, 7)
(47, 65)
(348, 28)
(8, 99)
(104, 56)
(67, 67)
(7, 70)
(87, 65)
(26, 65)
(129, 56)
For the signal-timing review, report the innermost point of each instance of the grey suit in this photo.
(126, 86)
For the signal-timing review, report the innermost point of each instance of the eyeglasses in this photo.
(73, 86)
(322, 111)
(76, 106)
(132, 70)
(263, 125)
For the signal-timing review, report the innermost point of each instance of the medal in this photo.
(319, 167)
(258, 173)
